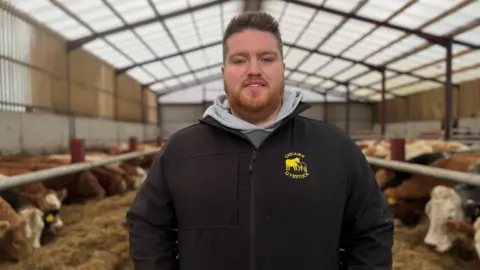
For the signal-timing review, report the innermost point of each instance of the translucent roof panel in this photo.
(170, 44)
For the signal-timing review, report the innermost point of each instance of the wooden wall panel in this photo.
(48, 52)
(151, 104)
(84, 101)
(430, 105)
(106, 105)
(35, 66)
(88, 69)
(129, 99)
(152, 116)
(32, 64)
(396, 110)
(128, 88)
(469, 99)
(96, 79)
(129, 111)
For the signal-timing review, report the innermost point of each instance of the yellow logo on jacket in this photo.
(295, 167)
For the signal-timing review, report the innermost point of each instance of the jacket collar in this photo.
(302, 106)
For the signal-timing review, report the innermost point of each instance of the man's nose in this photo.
(253, 68)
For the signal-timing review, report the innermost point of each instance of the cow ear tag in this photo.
(391, 201)
(50, 218)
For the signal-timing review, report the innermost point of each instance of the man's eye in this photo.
(268, 59)
(237, 61)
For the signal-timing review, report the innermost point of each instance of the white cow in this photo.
(461, 204)
(445, 204)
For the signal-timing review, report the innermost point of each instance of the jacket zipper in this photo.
(252, 212)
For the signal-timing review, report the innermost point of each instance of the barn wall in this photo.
(416, 113)
(48, 84)
(49, 133)
(38, 74)
(174, 117)
(412, 129)
(429, 105)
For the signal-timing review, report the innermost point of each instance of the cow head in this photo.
(444, 205)
(53, 222)
(50, 203)
(50, 200)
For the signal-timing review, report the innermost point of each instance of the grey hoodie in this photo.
(220, 111)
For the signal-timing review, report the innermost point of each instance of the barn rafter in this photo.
(170, 45)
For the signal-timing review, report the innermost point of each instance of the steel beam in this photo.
(74, 44)
(252, 5)
(371, 67)
(325, 108)
(337, 83)
(347, 109)
(383, 111)
(429, 37)
(183, 74)
(125, 69)
(448, 94)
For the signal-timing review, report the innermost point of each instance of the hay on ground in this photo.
(94, 237)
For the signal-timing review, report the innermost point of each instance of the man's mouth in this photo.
(255, 84)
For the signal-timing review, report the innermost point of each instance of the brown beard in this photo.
(257, 111)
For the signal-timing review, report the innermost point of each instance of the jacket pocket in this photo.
(205, 190)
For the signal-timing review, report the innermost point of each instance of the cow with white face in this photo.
(445, 205)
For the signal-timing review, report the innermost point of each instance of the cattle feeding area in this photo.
(433, 216)
(73, 221)
(78, 221)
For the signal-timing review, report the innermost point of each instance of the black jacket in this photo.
(292, 204)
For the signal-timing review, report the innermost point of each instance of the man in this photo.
(255, 186)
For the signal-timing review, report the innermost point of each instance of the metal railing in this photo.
(461, 177)
(415, 169)
(38, 176)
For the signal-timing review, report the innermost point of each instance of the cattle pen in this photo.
(92, 91)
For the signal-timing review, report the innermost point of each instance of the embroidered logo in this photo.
(295, 166)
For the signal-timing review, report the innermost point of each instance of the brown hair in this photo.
(257, 20)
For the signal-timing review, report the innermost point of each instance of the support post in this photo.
(77, 150)
(132, 144)
(448, 93)
(347, 109)
(144, 102)
(71, 118)
(383, 110)
(325, 107)
(397, 149)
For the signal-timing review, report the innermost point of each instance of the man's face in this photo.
(254, 74)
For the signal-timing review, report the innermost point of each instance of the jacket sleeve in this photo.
(367, 229)
(152, 222)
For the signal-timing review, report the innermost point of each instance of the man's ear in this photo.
(223, 69)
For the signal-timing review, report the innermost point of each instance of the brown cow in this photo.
(16, 242)
(134, 175)
(80, 187)
(420, 186)
(408, 200)
(113, 183)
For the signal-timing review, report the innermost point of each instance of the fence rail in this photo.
(42, 175)
(415, 169)
(461, 177)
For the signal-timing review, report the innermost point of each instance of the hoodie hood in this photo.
(220, 111)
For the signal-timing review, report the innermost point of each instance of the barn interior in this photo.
(91, 91)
